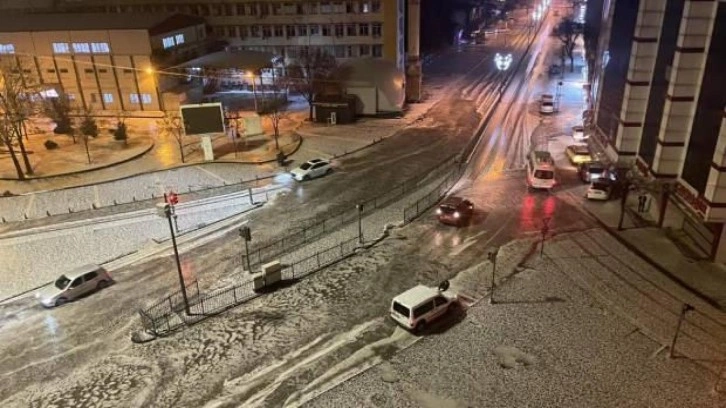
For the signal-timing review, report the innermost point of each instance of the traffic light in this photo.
(172, 198)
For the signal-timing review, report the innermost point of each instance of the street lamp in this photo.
(166, 210)
(254, 87)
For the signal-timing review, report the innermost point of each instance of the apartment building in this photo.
(100, 61)
(661, 105)
(345, 29)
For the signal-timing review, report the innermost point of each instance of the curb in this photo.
(654, 263)
(71, 173)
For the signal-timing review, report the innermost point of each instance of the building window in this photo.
(276, 9)
(63, 70)
(168, 42)
(146, 99)
(339, 30)
(128, 71)
(378, 50)
(376, 29)
(326, 8)
(61, 48)
(338, 7)
(81, 48)
(264, 9)
(278, 31)
(7, 49)
(375, 7)
(179, 39)
(339, 51)
(266, 32)
(102, 71)
(365, 50)
(326, 30)
(242, 30)
(365, 7)
(363, 30)
(350, 51)
(231, 31)
(71, 96)
(290, 31)
(350, 30)
(254, 31)
(314, 29)
(349, 7)
(299, 9)
(88, 70)
(50, 71)
(108, 98)
(100, 48)
(240, 9)
(228, 10)
(94, 99)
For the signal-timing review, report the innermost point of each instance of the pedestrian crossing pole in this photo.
(685, 309)
(359, 207)
(493, 259)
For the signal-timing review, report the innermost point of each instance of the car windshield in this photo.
(596, 170)
(447, 208)
(305, 166)
(600, 186)
(581, 150)
(547, 104)
(544, 174)
(62, 282)
(401, 309)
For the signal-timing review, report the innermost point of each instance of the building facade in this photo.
(345, 29)
(661, 105)
(100, 62)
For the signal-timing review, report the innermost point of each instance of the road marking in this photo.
(218, 177)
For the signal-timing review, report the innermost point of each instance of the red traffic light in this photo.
(173, 199)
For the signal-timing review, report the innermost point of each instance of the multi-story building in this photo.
(346, 29)
(661, 105)
(101, 62)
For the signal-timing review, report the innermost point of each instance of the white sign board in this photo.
(207, 148)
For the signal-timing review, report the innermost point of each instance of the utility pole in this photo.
(166, 211)
(246, 235)
(493, 259)
(359, 207)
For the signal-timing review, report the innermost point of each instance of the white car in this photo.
(547, 104)
(421, 305)
(73, 285)
(599, 190)
(311, 169)
(578, 133)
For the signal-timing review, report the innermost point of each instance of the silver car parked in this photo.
(73, 285)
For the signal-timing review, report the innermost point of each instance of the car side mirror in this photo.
(444, 286)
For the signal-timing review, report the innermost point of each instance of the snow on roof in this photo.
(414, 296)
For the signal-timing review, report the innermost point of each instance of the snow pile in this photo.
(511, 357)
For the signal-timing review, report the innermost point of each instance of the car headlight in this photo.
(438, 211)
(457, 215)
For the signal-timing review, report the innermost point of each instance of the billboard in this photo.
(203, 118)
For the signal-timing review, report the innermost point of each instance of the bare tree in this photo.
(568, 31)
(309, 74)
(173, 124)
(274, 108)
(88, 129)
(17, 98)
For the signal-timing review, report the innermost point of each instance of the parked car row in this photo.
(601, 177)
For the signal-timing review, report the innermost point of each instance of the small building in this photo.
(335, 110)
(377, 85)
(102, 62)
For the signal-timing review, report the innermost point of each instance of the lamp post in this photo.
(493, 259)
(254, 88)
(167, 212)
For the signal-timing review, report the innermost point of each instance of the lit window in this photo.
(7, 49)
(179, 38)
(108, 98)
(100, 48)
(134, 98)
(81, 48)
(61, 48)
(365, 7)
(168, 42)
(146, 99)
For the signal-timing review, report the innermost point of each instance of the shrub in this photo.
(120, 132)
(50, 145)
(63, 128)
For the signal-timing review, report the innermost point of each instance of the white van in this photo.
(540, 170)
(547, 104)
(420, 305)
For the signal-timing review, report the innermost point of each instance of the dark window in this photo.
(401, 309)
(102, 71)
(423, 309)
(544, 174)
(90, 275)
(64, 70)
(127, 71)
(709, 110)
(62, 282)
(51, 71)
(659, 80)
(88, 71)
(440, 300)
(616, 70)
(77, 282)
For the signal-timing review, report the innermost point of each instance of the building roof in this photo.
(231, 59)
(414, 296)
(155, 23)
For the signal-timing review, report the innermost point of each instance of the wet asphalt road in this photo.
(267, 352)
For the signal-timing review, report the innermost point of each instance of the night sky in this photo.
(437, 27)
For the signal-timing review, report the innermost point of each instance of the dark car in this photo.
(593, 171)
(455, 211)
(555, 70)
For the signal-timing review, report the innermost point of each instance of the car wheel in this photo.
(101, 285)
(306, 178)
(60, 301)
(420, 327)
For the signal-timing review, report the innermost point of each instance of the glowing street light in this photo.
(254, 87)
(503, 62)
